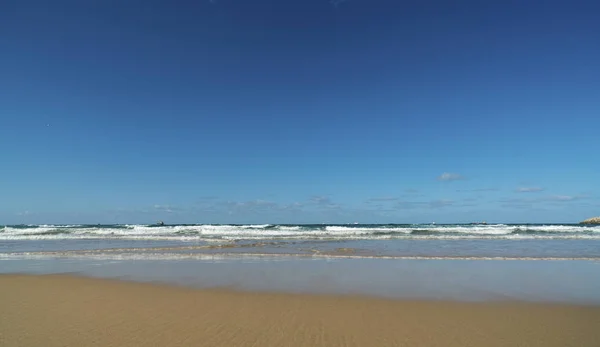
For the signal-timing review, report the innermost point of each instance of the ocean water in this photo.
(414, 241)
(541, 262)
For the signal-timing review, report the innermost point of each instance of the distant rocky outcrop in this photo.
(595, 220)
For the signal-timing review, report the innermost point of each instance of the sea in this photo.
(440, 241)
(533, 262)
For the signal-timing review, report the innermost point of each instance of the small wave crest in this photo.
(272, 231)
(262, 256)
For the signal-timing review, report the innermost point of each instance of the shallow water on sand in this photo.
(464, 280)
(436, 248)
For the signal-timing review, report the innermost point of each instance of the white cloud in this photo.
(433, 204)
(252, 205)
(448, 176)
(529, 189)
(381, 199)
(167, 208)
(320, 200)
(565, 197)
(478, 190)
(440, 203)
(541, 200)
(295, 206)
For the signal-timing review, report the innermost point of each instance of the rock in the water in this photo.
(595, 220)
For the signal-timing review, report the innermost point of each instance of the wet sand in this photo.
(59, 310)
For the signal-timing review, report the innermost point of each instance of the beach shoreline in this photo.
(66, 310)
(566, 281)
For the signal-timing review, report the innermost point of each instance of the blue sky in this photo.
(271, 111)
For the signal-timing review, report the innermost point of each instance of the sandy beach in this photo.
(60, 310)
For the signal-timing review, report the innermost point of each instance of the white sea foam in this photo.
(340, 230)
(257, 256)
(267, 231)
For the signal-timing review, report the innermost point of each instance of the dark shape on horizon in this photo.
(594, 220)
(479, 223)
(160, 223)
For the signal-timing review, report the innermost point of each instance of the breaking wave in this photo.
(271, 231)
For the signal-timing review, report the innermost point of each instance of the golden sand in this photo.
(72, 311)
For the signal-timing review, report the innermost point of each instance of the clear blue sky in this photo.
(271, 111)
